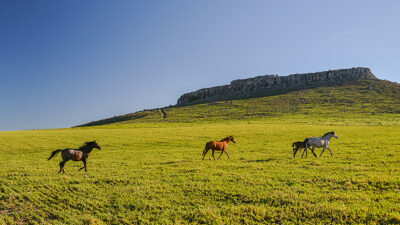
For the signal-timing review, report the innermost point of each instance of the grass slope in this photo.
(366, 98)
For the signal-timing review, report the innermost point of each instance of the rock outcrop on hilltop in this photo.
(268, 85)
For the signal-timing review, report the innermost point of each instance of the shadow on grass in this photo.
(172, 162)
(262, 160)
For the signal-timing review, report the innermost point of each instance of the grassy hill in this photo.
(366, 98)
(149, 170)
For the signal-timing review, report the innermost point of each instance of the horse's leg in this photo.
(84, 162)
(305, 151)
(312, 150)
(322, 151)
(222, 152)
(84, 165)
(329, 150)
(295, 151)
(305, 148)
(227, 154)
(63, 163)
(213, 153)
(61, 166)
(204, 152)
(65, 158)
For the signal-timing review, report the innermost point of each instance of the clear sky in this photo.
(64, 63)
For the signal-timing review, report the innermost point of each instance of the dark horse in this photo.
(80, 154)
(299, 145)
(219, 146)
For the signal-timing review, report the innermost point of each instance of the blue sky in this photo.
(63, 63)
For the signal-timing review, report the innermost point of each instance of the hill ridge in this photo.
(357, 100)
(268, 85)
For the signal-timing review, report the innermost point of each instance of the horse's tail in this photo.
(293, 145)
(54, 153)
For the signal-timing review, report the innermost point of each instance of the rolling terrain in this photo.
(150, 170)
(362, 100)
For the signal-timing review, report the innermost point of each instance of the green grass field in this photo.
(150, 168)
(153, 173)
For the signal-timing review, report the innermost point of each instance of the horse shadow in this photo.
(261, 160)
(173, 162)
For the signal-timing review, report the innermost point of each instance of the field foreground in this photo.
(153, 173)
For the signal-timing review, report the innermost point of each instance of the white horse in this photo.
(320, 142)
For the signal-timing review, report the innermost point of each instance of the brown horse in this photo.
(299, 145)
(80, 154)
(219, 146)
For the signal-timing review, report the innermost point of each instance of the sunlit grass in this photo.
(153, 173)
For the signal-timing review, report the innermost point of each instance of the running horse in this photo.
(218, 146)
(320, 142)
(80, 154)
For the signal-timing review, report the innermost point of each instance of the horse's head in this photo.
(230, 138)
(334, 134)
(94, 144)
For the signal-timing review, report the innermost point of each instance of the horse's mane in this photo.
(227, 138)
(327, 133)
(84, 145)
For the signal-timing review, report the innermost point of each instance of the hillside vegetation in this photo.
(363, 99)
